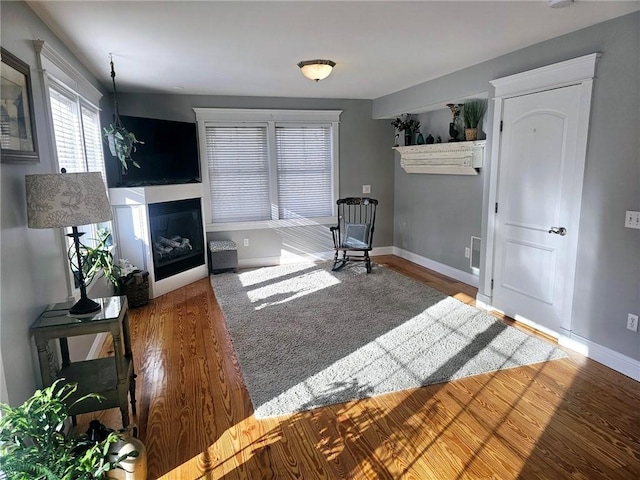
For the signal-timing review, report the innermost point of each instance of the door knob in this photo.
(558, 231)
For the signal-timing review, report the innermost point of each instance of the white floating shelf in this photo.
(455, 158)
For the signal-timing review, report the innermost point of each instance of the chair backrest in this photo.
(356, 220)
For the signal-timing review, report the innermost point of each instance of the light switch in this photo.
(366, 188)
(632, 219)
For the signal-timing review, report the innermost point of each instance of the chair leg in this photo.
(368, 262)
(338, 263)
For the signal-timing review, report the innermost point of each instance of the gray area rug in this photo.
(307, 337)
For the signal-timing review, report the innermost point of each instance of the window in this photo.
(269, 168)
(77, 133)
(75, 120)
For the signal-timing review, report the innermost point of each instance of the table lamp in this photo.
(58, 200)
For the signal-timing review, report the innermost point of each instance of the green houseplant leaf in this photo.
(33, 444)
(472, 112)
(96, 259)
(121, 143)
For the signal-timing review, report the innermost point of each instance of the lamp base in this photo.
(84, 306)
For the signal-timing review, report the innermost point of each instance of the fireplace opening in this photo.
(177, 237)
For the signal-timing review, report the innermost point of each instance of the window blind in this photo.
(66, 126)
(238, 166)
(78, 142)
(305, 173)
(93, 141)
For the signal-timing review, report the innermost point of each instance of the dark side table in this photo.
(111, 377)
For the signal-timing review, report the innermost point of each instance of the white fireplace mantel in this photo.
(455, 158)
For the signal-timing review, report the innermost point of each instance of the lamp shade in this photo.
(58, 200)
(316, 69)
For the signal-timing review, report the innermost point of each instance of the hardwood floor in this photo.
(569, 418)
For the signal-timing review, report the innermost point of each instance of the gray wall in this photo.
(365, 159)
(608, 265)
(436, 215)
(33, 264)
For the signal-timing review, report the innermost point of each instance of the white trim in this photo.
(96, 346)
(612, 359)
(556, 75)
(579, 71)
(264, 115)
(53, 64)
(483, 302)
(166, 285)
(454, 273)
(207, 117)
(268, 224)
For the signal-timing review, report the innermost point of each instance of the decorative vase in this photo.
(408, 138)
(132, 468)
(471, 134)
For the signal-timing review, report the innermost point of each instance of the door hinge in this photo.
(496, 207)
(492, 284)
(501, 125)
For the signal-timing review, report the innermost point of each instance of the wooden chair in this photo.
(354, 232)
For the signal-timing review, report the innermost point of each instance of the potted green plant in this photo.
(409, 126)
(121, 143)
(472, 113)
(33, 444)
(95, 259)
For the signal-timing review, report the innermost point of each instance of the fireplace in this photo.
(177, 239)
(157, 230)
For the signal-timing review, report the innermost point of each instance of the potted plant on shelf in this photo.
(472, 113)
(409, 126)
(33, 444)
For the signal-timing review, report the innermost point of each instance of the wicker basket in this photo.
(137, 290)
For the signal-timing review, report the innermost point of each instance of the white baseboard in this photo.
(96, 346)
(612, 359)
(298, 258)
(459, 275)
(483, 302)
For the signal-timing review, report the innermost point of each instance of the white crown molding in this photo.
(56, 66)
(555, 75)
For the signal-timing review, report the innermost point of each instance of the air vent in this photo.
(475, 255)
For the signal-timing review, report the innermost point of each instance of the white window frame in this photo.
(207, 117)
(57, 71)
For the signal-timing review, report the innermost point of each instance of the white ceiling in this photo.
(252, 48)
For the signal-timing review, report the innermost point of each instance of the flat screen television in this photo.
(168, 156)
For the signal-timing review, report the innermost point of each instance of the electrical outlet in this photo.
(246, 242)
(467, 252)
(632, 219)
(632, 322)
(366, 188)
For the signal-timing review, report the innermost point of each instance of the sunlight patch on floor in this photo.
(292, 288)
(261, 275)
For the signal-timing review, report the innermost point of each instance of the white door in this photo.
(536, 220)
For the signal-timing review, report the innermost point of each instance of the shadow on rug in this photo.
(306, 336)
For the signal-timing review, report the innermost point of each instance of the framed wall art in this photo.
(17, 127)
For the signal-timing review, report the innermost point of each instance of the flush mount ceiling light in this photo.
(560, 3)
(316, 69)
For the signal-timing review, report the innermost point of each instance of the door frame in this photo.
(578, 71)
